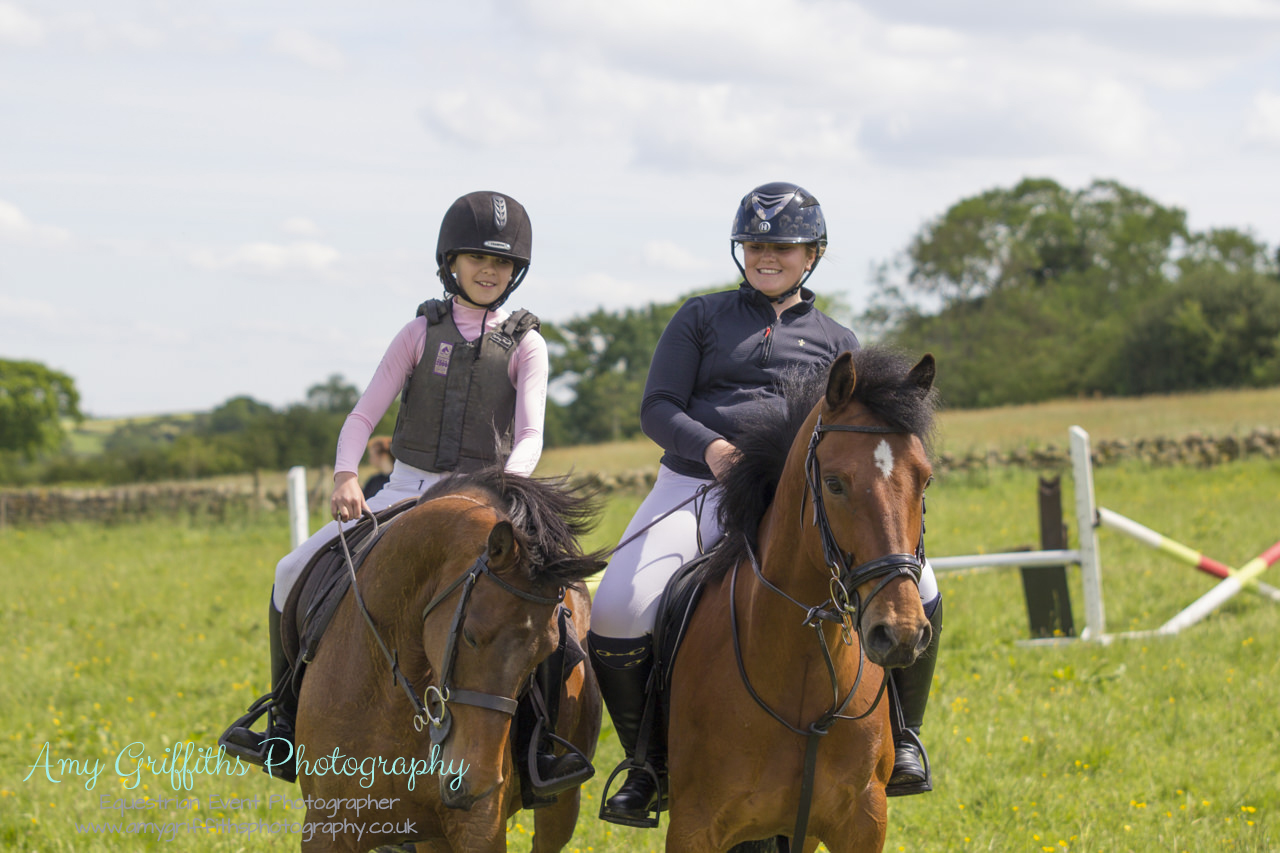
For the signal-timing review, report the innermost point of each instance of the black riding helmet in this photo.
(779, 212)
(486, 223)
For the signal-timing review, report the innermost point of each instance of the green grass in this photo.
(154, 632)
(1170, 415)
(1008, 427)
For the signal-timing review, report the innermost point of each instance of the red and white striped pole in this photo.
(1181, 552)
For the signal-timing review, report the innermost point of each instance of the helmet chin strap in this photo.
(456, 289)
(774, 299)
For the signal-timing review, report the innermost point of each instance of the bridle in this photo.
(845, 607)
(844, 576)
(433, 708)
(436, 699)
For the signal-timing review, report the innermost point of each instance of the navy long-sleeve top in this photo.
(719, 357)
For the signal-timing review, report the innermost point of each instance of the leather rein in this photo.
(845, 607)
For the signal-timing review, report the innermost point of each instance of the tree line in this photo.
(1038, 292)
(1024, 294)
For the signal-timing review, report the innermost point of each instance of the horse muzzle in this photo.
(456, 792)
(891, 645)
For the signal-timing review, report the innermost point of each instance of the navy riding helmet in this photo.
(486, 223)
(779, 212)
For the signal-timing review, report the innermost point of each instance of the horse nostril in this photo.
(878, 639)
(926, 635)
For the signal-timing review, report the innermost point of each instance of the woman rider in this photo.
(718, 357)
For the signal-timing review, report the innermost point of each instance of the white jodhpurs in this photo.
(406, 482)
(626, 604)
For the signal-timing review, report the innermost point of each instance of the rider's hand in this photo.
(348, 498)
(719, 456)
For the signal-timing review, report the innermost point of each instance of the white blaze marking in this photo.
(884, 458)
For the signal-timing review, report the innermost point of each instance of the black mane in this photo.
(748, 487)
(548, 515)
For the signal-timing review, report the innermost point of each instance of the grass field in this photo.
(154, 633)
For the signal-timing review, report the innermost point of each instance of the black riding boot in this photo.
(623, 667)
(911, 773)
(281, 706)
(536, 716)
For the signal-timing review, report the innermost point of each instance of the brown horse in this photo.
(464, 590)
(777, 690)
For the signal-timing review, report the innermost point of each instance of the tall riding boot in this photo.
(623, 667)
(543, 773)
(274, 748)
(911, 773)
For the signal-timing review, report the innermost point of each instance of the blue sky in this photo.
(199, 199)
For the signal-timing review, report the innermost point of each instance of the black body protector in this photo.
(458, 407)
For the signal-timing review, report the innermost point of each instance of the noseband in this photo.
(436, 699)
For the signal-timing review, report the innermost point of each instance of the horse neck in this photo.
(789, 550)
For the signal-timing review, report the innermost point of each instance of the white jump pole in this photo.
(1086, 524)
(1086, 555)
(298, 520)
(1001, 560)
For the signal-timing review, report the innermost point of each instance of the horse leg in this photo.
(864, 828)
(553, 825)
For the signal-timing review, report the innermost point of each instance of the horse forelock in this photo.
(549, 517)
(768, 434)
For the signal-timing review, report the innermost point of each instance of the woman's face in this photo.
(774, 268)
(482, 278)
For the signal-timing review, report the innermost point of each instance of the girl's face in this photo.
(774, 268)
(482, 278)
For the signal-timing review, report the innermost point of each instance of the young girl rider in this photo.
(465, 370)
(715, 359)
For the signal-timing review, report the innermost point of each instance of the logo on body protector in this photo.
(502, 339)
(441, 367)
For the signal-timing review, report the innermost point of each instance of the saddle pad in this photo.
(321, 587)
(675, 609)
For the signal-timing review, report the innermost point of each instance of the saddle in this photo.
(321, 587)
(676, 607)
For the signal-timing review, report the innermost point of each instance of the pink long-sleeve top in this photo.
(528, 370)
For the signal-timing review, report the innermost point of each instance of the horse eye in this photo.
(470, 640)
(833, 484)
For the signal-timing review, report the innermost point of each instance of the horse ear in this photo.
(922, 374)
(840, 381)
(503, 550)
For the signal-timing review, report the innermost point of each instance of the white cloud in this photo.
(594, 290)
(665, 254)
(17, 27)
(1262, 127)
(16, 228)
(1259, 10)
(271, 258)
(300, 226)
(489, 119)
(309, 49)
(25, 309)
